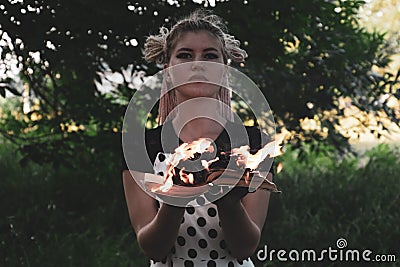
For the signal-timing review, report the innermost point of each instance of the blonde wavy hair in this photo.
(158, 49)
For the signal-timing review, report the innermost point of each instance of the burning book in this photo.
(193, 168)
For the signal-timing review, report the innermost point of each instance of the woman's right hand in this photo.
(174, 200)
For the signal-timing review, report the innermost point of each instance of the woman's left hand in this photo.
(233, 196)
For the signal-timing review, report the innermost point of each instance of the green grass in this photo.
(64, 217)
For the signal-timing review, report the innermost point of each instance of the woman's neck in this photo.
(198, 118)
(199, 128)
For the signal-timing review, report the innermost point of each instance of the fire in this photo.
(165, 187)
(279, 168)
(186, 178)
(183, 152)
(188, 151)
(248, 160)
(206, 164)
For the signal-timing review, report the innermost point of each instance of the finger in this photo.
(174, 200)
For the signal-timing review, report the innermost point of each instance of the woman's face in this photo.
(196, 66)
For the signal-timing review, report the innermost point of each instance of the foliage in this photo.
(63, 217)
(381, 14)
(327, 197)
(304, 55)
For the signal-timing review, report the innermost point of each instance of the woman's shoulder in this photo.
(154, 134)
(161, 138)
(257, 138)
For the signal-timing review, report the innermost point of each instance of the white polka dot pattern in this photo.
(200, 241)
(160, 163)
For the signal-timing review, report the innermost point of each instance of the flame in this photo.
(188, 150)
(168, 183)
(245, 159)
(248, 160)
(186, 178)
(184, 152)
(166, 186)
(279, 168)
(206, 164)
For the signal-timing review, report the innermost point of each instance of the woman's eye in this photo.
(184, 55)
(211, 56)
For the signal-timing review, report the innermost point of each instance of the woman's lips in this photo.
(198, 78)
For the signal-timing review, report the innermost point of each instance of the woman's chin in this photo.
(197, 91)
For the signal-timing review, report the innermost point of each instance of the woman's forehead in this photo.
(197, 40)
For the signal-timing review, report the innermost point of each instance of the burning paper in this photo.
(250, 161)
(190, 151)
(184, 152)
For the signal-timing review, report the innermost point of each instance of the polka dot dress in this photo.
(200, 241)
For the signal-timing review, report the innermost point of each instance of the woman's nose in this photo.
(198, 65)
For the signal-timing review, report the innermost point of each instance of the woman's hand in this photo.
(174, 200)
(232, 197)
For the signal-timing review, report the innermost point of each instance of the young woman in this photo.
(226, 232)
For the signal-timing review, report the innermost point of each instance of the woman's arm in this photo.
(156, 231)
(242, 220)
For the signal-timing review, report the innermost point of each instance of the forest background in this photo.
(330, 72)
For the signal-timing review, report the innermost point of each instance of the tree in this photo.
(304, 55)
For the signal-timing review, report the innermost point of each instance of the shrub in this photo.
(326, 198)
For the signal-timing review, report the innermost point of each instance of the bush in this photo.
(63, 217)
(326, 198)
